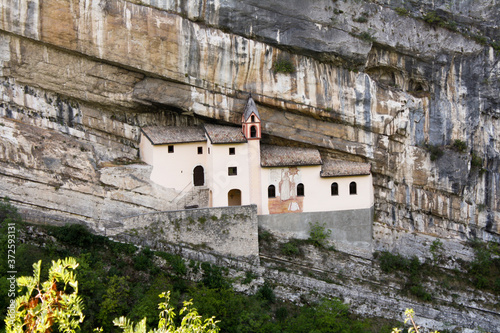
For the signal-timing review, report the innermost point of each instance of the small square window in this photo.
(232, 171)
(200, 150)
(232, 151)
(170, 149)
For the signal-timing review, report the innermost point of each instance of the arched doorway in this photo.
(234, 197)
(198, 176)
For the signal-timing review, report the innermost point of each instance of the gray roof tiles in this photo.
(160, 135)
(224, 134)
(274, 156)
(336, 168)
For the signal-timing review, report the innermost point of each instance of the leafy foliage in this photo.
(363, 18)
(8, 213)
(290, 249)
(266, 293)
(485, 268)
(436, 151)
(432, 18)
(410, 269)
(437, 250)
(176, 262)
(265, 236)
(319, 234)
(283, 65)
(106, 272)
(143, 261)
(213, 277)
(460, 145)
(114, 302)
(367, 36)
(190, 322)
(402, 11)
(476, 161)
(45, 304)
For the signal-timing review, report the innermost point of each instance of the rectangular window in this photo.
(200, 150)
(170, 149)
(208, 150)
(232, 171)
(232, 151)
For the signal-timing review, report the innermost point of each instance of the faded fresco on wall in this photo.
(285, 181)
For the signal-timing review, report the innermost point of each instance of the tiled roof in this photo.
(249, 109)
(273, 156)
(333, 168)
(224, 134)
(160, 135)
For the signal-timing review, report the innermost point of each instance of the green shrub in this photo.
(390, 263)
(213, 278)
(480, 39)
(281, 314)
(319, 234)
(476, 161)
(176, 262)
(266, 293)
(114, 302)
(450, 25)
(432, 18)
(289, 249)
(460, 145)
(283, 65)
(143, 260)
(366, 36)
(402, 11)
(8, 213)
(496, 45)
(411, 269)
(77, 235)
(485, 268)
(249, 277)
(265, 236)
(363, 18)
(435, 151)
(436, 250)
(420, 292)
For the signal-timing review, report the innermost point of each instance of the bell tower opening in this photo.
(250, 121)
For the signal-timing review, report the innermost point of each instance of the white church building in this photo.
(237, 169)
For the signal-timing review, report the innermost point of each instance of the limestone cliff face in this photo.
(373, 82)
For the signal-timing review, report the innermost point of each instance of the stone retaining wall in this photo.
(226, 231)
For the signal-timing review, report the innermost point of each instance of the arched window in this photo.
(352, 188)
(300, 190)
(253, 119)
(335, 189)
(271, 191)
(253, 132)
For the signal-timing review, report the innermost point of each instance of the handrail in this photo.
(180, 192)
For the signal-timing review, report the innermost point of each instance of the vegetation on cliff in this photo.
(116, 279)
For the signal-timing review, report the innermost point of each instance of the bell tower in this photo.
(250, 121)
(251, 127)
